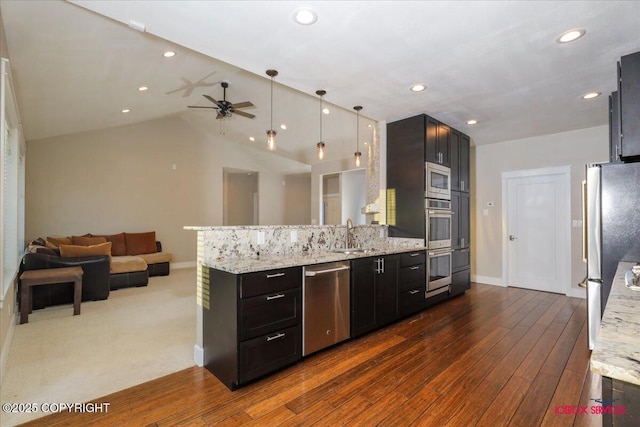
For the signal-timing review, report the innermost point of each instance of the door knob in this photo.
(512, 237)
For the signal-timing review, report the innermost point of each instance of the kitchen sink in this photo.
(349, 251)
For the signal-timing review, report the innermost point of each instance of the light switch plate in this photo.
(261, 237)
(294, 236)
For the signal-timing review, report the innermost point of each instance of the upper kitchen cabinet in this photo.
(614, 128)
(629, 102)
(438, 146)
(406, 177)
(460, 145)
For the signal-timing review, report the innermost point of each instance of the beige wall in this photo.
(122, 179)
(297, 199)
(573, 149)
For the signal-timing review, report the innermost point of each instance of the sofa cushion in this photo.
(54, 242)
(39, 249)
(119, 246)
(87, 241)
(127, 264)
(69, 251)
(157, 257)
(140, 243)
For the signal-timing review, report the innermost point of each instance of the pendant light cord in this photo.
(320, 118)
(271, 103)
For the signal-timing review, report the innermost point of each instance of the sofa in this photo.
(109, 262)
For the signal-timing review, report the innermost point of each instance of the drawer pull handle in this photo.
(275, 337)
(415, 267)
(270, 297)
(413, 292)
(271, 276)
(415, 254)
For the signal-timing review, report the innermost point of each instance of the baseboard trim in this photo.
(6, 346)
(487, 280)
(198, 355)
(577, 293)
(187, 264)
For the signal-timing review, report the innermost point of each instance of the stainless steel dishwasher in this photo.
(326, 308)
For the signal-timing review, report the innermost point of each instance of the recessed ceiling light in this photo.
(252, 139)
(418, 87)
(126, 110)
(142, 88)
(571, 35)
(169, 54)
(283, 126)
(305, 16)
(326, 110)
(591, 95)
(472, 122)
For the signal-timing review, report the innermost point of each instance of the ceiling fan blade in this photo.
(197, 106)
(242, 104)
(243, 114)
(220, 116)
(213, 100)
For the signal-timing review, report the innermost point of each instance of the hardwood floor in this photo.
(494, 356)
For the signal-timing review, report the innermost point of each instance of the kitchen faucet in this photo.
(349, 234)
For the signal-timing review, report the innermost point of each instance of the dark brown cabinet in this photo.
(460, 146)
(406, 177)
(374, 293)
(411, 283)
(614, 129)
(460, 219)
(253, 324)
(629, 106)
(438, 146)
(460, 282)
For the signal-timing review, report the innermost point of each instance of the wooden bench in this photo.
(49, 276)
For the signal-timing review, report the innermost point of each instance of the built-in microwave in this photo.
(437, 181)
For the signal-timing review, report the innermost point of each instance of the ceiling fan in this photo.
(226, 108)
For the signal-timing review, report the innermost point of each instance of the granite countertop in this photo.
(617, 348)
(263, 263)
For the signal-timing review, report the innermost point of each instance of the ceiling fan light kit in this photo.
(271, 134)
(357, 155)
(320, 145)
(224, 107)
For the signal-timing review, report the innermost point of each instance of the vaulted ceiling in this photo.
(77, 64)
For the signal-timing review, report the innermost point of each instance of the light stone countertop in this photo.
(617, 349)
(264, 263)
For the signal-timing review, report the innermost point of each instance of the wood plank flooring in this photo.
(492, 357)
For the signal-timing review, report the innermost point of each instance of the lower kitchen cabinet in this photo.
(252, 324)
(374, 293)
(411, 283)
(620, 403)
(460, 282)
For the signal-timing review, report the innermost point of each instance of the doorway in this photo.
(343, 196)
(536, 231)
(240, 197)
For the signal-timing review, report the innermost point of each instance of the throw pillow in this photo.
(71, 251)
(57, 241)
(39, 249)
(119, 247)
(87, 241)
(141, 243)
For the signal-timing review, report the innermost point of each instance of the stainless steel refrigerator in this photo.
(611, 200)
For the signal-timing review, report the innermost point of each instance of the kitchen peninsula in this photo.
(616, 355)
(234, 264)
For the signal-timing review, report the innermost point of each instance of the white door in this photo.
(537, 228)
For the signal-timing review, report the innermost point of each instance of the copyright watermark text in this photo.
(54, 407)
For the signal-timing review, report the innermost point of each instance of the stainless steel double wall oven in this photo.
(438, 228)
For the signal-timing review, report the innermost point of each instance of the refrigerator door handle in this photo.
(584, 224)
(593, 311)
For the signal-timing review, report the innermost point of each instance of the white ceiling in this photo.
(75, 67)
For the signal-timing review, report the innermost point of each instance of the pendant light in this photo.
(320, 145)
(271, 134)
(357, 154)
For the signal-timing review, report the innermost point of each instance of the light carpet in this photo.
(134, 336)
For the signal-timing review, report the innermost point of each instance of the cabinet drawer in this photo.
(269, 352)
(460, 260)
(267, 313)
(411, 300)
(265, 282)
(411, 258)
(412, 274)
